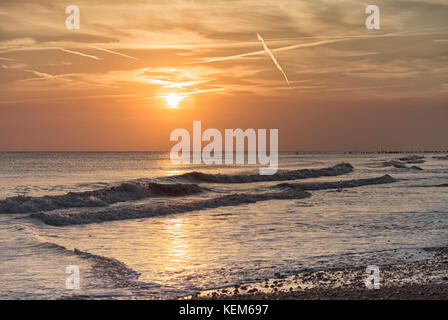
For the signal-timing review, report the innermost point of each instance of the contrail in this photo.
(41, 74)
(254, 53)
(327, 40)
(81, 54)
(273, 58)
(113, 52)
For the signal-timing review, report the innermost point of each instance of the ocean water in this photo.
(143, 227)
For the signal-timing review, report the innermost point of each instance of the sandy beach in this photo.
(427, 279)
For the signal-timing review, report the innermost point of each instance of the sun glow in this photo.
(173, 99)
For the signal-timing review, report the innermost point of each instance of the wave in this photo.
(399, 165)
(196, 176)
(441, 157)
(146, 211)
(97, 215)
(337, 184)
(129, 191)
(114, 268)
(111, 268)
(413, 159)
(442, 185)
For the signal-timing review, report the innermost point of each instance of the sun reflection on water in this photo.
(178, 250)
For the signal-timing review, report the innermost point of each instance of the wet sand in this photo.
(427, 279)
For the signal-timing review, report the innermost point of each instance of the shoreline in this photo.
(425, 279)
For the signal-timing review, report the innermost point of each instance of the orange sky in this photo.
(103, 87)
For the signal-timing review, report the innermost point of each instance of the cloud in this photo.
(324, 43)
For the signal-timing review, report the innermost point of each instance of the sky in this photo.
(308, 68)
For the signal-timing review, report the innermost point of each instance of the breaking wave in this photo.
(441, 157)
(337, 184)
(296, 191)
(195, 176)
(133, 191)
(413, 159)
(111, 268)
(129, 191)
(145, 210)
(399, 165)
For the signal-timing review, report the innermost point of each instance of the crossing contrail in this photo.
(273, 58)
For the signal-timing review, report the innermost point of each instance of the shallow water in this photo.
(177, 254)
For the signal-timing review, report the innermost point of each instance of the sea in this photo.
(133, 225)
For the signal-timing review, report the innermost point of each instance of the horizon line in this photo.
(298, 151)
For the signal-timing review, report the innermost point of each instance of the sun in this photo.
(173, 99)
